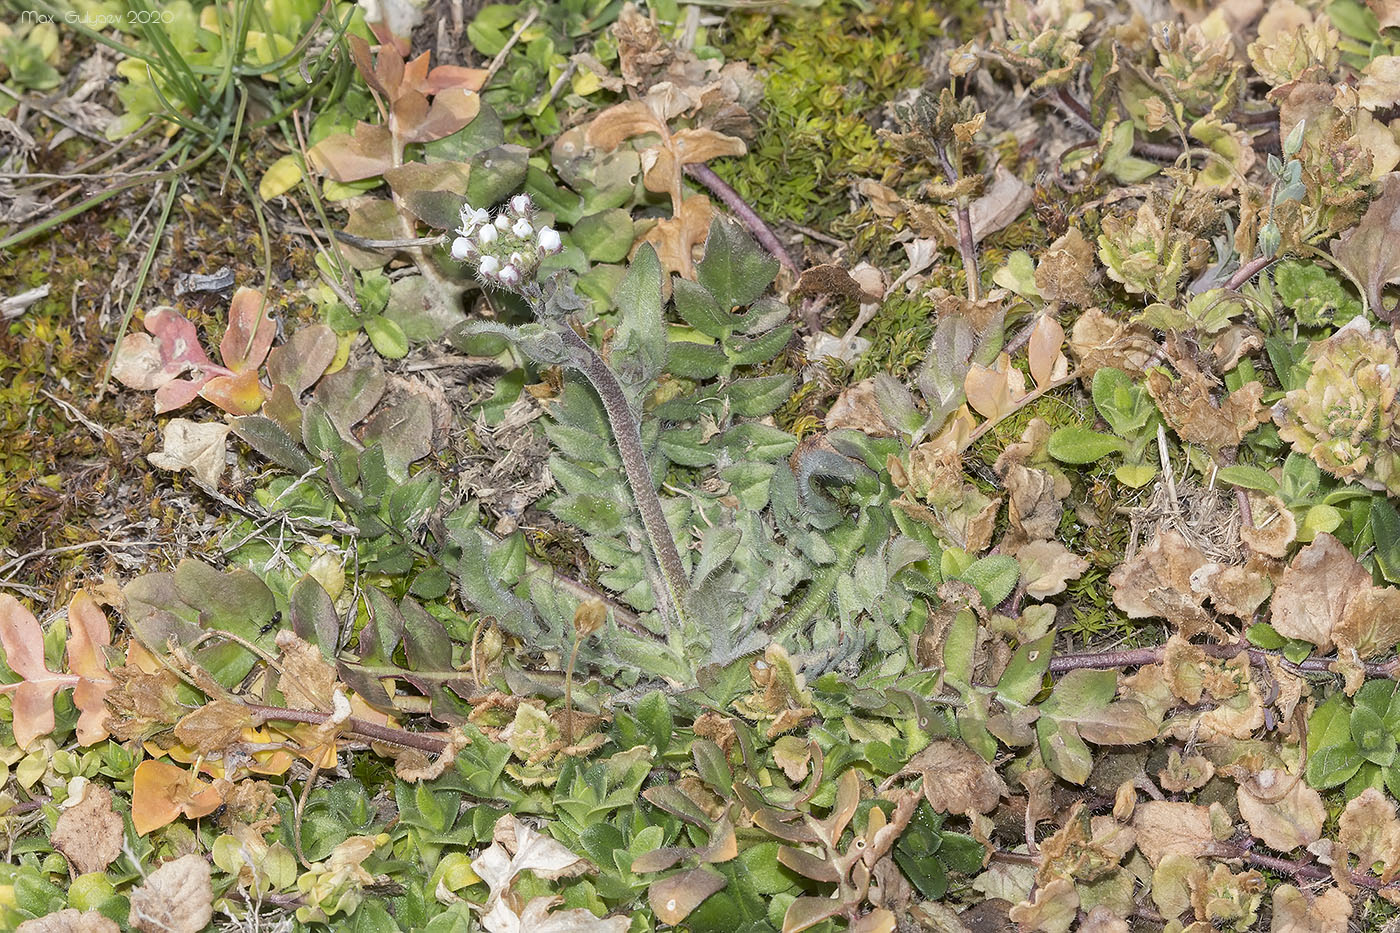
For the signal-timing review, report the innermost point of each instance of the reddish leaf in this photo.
(250, 331)
(352, 157)
(444, 77)
(32, 698)
(88, 634)
(675, 897)
(451, 110)
(241, 394)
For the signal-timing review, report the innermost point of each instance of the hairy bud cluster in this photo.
(507, 249)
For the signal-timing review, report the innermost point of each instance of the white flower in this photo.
(486, 235)
(523, 229)
(462, 248)
(520, 204)
(502, 223)
(509, 275)
(517, 260)
(549, 240)
(473, 217)
(489, 265)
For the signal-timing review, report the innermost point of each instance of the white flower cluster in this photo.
(508, 249)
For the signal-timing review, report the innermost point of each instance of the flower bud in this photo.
(489, 265)
(502, 223)
(549, 240)
(517, 260)
(520, 205)
(523, 229)
(463, 249)
(509, 275)
(486, 235)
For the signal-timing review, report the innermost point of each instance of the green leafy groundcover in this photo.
(650, 614)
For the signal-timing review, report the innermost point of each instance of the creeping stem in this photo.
(627, 433)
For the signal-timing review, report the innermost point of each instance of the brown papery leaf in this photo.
(1315, 589)
(307, 681)
(1165, 827)
(213, 727)
(1370, 251)
(1282, 810)
(1157, 582)
(1299, 912)
(70, 920)
(89, 833)
(1187, 406)
(176, 898)
(1369, 830)
(957, 779)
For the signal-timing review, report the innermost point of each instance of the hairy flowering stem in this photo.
(967, 247)
(627, 434)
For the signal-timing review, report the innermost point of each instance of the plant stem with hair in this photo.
(627, 434)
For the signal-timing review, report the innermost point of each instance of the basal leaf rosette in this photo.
(1344, 417)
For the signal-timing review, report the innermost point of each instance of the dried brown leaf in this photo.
(70, 920)
(90, 833)
(176, 898)
(1284, 821)
(1165, 827)
(1315, 590)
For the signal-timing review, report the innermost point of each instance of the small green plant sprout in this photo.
(1128, 409)
(1344, 416)
(1314, 501)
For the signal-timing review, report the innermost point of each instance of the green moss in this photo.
(828, 74)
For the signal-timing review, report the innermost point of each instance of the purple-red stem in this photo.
(761, 231)
(1134, 657)
(1248, 271)
(354, 727)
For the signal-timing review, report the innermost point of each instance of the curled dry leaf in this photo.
(213, 727)
(1370, 251)
(858, 408)
(1051, 908)
(1282, 810)
(195, 448)
(176, 898)
(956, 779)
(1188, 407)
(1369, 831)
(1315, 591)
(89, 834)
(1299, 912)
(1006, 199)
(516, 848)
(1156, 582)
(1271, 528)
(1047, 567)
